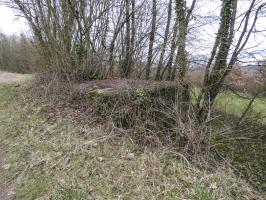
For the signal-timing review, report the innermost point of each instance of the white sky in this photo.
(254, 50)
(9, 23)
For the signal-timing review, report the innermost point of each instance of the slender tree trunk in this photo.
(152, 37)
(182, 36)
(181, 26)
(166, 33)
(183, 92)
(172, 52)
(118, 29)
(126, 65)
(133, 33)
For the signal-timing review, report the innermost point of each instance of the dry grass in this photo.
(62, 158)
(6, 77)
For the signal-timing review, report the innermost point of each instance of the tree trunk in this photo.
(166, 33)
(152, 37)
(172, 52)
(126, 65)
(212, 84)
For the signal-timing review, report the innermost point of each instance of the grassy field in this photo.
(231, 104)
(65, 159)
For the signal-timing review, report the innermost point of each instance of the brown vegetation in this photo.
(79, 41)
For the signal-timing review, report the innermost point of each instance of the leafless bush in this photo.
(249, 83)
(153, 118)
(196, 76)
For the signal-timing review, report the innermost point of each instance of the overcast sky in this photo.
(206, 35)
(10, 24)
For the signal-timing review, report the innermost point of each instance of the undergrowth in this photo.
(56, 157)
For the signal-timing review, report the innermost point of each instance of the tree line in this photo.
(17, 54)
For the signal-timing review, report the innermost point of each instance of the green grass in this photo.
(7, 93)
(231, 104)
(65, 159)
(245, 147)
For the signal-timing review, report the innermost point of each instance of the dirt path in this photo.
(6, 77)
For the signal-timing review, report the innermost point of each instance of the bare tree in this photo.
(218, 66)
